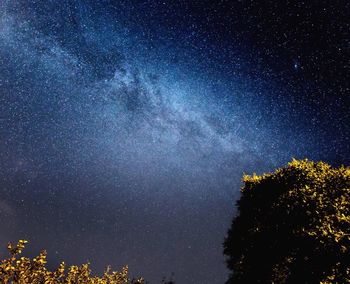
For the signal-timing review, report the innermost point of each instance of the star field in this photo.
(126, 126)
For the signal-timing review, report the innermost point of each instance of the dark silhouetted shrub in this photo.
(293, 226)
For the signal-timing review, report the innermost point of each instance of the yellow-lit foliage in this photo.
(23, 270)
(293, 226)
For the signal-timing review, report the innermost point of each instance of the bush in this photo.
(293, 226)
(23, 270)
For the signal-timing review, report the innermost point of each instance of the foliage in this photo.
(293, 226)
(23, 270)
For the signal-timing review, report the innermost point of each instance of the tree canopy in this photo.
(23, 270)
(293, 226)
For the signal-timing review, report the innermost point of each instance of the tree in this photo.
(23, 270)
(293, 226)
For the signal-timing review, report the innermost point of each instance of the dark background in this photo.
(126, 126)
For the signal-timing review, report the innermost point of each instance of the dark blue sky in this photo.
(126, 126)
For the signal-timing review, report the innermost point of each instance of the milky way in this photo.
(125, 148)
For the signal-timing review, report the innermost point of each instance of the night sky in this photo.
(126, 126)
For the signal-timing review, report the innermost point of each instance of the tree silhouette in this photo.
(293, 226)
(23, 270)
